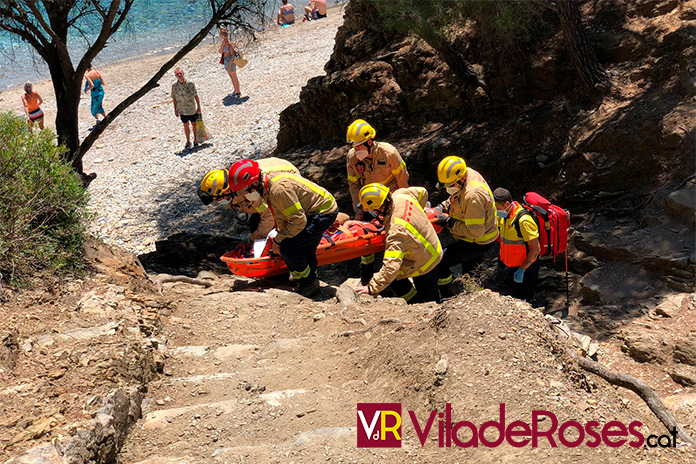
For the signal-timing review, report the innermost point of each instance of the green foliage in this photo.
(499, 24)
(42, 204)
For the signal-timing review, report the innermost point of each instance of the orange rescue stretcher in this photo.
(329, 253)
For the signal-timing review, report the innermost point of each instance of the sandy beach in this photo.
(146, 185)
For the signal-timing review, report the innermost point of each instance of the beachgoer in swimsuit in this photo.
(95, 82)
(286, 15)
(315, 9)
(228, 53)
(32, 106)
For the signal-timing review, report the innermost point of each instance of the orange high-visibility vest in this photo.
(513, 250)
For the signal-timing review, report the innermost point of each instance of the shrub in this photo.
(503, 26)
(42, 204)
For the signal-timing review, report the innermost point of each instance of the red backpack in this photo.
(553, 222)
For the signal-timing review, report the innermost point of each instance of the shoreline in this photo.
(146, 185)
(210, 39)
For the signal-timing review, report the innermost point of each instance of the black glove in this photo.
(445, 221)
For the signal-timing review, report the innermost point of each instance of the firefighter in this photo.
(519, 245)
(302, 211)
(371, 162)
(471, 219)
(412, 247)
(261, 220)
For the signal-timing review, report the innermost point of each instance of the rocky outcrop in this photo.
(96, 441)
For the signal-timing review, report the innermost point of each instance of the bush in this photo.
(503, 26)
(42, 204)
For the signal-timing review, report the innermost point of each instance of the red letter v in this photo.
(422, 434)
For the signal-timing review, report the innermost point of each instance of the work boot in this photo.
(311, 290)
(451, 289)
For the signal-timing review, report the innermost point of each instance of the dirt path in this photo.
(261, 376)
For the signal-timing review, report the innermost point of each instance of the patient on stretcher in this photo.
(342, 229)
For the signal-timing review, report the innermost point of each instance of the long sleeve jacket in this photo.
(473, 209)
(291, 199)
(385, 167)
(269, 166)
(412, 245)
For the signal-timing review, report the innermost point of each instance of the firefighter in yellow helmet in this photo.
(412, 247)
(472, 219)
(215, 187)
(371, 162)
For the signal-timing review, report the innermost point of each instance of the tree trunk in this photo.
(67, 120)
(582, 55)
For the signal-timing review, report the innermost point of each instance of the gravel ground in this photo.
(146, 185)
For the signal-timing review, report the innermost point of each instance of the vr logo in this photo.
(379, 425)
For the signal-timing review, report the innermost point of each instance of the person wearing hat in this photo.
(302, 211)
(215, 188)
(471, 219)
(371, 162)
(412, 248)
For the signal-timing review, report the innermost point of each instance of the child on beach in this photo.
(227, 51)
(32, 106)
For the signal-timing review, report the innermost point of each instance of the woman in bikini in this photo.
(32, 106)
(228, 52)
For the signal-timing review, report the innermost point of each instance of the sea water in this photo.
(152, 27)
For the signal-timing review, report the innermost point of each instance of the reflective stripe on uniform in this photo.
(280, 168)
(352, 178)
(367, 259)
(507, 241)
(394, 254)
(485, 237)
(301, 274)
(312, 187)
(470, 221)
(398, 170)
(410, 294)
(261, 208)
(434, 252)
(296, 207)
(446, 280)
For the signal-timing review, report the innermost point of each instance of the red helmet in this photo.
(242, 174)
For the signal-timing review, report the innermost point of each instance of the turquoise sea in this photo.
(153, 26)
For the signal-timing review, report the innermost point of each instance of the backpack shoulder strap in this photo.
(516, 221)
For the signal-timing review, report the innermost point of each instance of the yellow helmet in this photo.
(372, 196)
(215, 183)
(450, 170)
(359, 132)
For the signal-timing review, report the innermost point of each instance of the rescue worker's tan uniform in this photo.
(267, 223)
(412, 246)
(291, 199)
(473, 209)
(385, 167)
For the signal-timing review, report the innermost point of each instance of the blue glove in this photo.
(519, 276)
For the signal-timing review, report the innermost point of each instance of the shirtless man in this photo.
(286, 15)
(316, 9)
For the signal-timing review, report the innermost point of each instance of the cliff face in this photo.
(528, 124)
